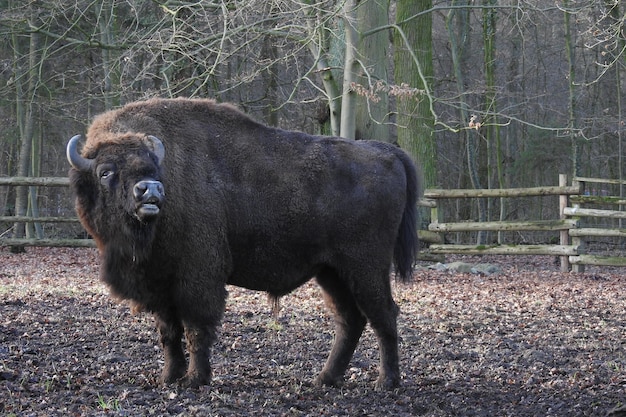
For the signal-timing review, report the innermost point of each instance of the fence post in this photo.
(576, 240)
(563, 234)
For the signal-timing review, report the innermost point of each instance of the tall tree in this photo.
(350, 51)
(351, 68)
(572, 123)
(413, 67)
(372, 110)
(458, 25)
(327, 56)
(108, 26)
(491, 129)
(618, 21)
(26, 85)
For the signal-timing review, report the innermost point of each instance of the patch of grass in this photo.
(8, 289)
(112, 404)
(274, 325)
(48, 385)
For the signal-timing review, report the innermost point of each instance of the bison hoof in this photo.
(327, 381)
(384, 383)
(193, 381)
(170, 379)
(171, 375)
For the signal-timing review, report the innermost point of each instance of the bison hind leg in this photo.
(360, 297)
(373, 296)
(349, 325)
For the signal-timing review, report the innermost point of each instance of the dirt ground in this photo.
(528, 341)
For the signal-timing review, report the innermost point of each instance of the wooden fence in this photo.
(579, 210)
(568, 223)
(575, 205)
(39, 182)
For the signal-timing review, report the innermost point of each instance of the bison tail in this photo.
(405, 251)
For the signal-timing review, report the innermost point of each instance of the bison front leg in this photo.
(171, 333)
(200, 338)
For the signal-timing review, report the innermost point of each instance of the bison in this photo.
(185, 196)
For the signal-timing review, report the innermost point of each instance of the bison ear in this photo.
(157, 147)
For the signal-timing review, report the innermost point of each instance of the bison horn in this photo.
(157, 147)
(75, 159)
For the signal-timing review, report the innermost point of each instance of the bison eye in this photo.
(105, 172)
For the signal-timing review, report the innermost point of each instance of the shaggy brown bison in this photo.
(185, 196)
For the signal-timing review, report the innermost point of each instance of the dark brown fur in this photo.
(252, 206)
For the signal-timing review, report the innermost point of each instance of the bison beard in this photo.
(247, 205)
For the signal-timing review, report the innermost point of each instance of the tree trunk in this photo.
(457, 23)
(491, 129)
(571, 75)
(35, 171)
(328, 56)
(372, 111)
(616, 14)
(364, 61)
(415, 119)
(107, 23)
(350, 72)
(26, 120)
(269, 53)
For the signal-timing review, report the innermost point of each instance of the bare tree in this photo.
(26, 87)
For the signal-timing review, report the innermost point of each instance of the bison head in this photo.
(118, 185)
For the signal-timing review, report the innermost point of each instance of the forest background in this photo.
(483, 93)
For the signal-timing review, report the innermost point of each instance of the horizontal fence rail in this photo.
(557, 250)
(582, 212)
(36, 181)
(501, 192)
(507, 226)
(61, 243)
(28, 219)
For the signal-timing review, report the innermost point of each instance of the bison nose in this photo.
(148, 196)
(148, 192)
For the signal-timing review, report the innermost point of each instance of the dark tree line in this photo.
(484, 93)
